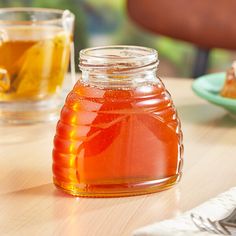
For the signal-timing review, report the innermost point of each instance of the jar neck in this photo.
(129, 79)
(118, 66)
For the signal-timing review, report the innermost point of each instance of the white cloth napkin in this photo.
(216, 209)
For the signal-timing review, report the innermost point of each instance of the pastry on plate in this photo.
(229, 88)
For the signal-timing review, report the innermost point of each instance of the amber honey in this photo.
(33, 61)
(118, 135)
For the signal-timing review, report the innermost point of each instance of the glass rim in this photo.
(34, 9)
(149, 52)
(127, 56)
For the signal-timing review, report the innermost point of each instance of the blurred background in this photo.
(106, 22)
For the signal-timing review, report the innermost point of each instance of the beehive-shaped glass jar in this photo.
(118, 133)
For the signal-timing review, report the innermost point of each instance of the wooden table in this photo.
(30, 205)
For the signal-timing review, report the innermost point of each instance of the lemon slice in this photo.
(4, 80)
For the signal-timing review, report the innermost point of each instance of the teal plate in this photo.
(208, 87)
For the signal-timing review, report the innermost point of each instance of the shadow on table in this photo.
(48, 192)
(45, 206)
(50, 211)
(205, 114)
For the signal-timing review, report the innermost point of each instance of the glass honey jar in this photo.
(119, 133)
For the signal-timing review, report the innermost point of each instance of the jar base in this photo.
(118, 190)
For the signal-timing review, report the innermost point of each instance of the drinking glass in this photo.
(35, 51)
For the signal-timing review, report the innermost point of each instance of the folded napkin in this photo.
(216, 209)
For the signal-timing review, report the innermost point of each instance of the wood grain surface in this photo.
(31, 205)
